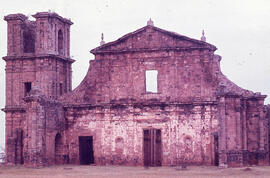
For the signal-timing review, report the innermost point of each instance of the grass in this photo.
(72, 171)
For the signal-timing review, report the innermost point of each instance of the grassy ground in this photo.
(131, 172)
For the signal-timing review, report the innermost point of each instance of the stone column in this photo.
(35, 130)
(239, 131)
(263, 126)
(261, 133)
(238, 124)
(10, 141)
(222, 133)
(244, 131)
(244, 121)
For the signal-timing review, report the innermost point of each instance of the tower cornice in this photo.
(33, 57)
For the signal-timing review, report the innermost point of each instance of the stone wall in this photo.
(243, 131)
(182, 76)
(15, 122)
(106, 124)
(46, 73)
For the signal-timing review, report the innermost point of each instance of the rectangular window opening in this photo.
(27, 88)
(60, 89)
(151, 81)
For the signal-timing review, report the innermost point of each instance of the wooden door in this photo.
(152, 147)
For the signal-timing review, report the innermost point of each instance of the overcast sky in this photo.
(240, 29)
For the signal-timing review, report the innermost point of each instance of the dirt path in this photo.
(131, 172)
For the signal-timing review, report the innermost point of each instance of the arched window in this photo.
(28, 42)
(60, 42)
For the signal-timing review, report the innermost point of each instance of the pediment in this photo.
(152, 38)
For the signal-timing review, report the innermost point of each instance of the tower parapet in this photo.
(15, 31)
(49, 34)
(52, 34)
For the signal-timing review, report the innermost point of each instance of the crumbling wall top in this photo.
(23, 17)
(52, 15)
(18, 16)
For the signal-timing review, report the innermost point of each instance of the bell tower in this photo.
(38, 56)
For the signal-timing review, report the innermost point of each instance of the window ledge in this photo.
(151, 93)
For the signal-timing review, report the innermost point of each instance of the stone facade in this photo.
(196, 116)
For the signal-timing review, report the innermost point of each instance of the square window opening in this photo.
(151, 81)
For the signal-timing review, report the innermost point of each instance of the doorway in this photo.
(58, 149)
(86, 150)
(19, 159)
(216, 153)
(152, 147)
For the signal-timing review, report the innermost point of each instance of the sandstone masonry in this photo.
(194, 116)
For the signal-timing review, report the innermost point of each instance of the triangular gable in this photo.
(152, 38)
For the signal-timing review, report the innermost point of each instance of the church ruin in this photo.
(187, 113)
